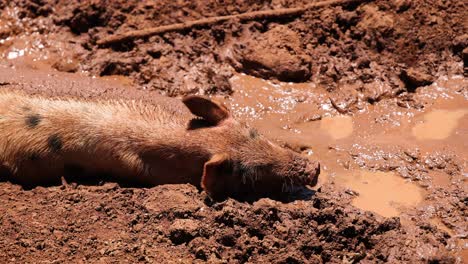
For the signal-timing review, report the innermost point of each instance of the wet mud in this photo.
(376, 91)
(382, 156)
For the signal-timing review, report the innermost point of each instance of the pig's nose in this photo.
(313, 171)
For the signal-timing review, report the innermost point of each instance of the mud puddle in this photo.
(438, 124)
(337, 127)
(382, 192)
(301, 116)
(25, 48)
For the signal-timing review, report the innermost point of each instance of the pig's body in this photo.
(42, 140)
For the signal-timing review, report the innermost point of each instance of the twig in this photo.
(338, 108)
(282, 12)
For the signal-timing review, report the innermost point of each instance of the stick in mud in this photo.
(282, 12)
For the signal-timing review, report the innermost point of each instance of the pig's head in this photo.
(243, 161)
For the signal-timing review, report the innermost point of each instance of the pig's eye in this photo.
(253, 133)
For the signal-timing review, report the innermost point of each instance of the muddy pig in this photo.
(194, 141)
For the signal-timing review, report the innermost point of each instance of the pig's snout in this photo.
(312, 171)
(306, 172)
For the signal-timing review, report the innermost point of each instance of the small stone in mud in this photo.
(402, 5)
(314, 118)
(200, 248)
(460, 43)
(407, 100)
(351, 192)
(67, 65)
(183, 231)
(218, 84)
(363, 63)
(228, 239)
(414, 78)
(118, 66)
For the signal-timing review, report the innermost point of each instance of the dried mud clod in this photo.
(414, 78)
(183, 231)
(351, 44)
(275, 54)
(356, 44)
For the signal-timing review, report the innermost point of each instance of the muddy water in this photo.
(382, 192)
(438, 124)
(301, 116)
(337, 127)
(33, 49)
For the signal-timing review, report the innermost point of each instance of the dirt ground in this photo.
(374, 90)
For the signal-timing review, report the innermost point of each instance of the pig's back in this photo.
(39, 137)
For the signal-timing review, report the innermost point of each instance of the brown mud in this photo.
(376, 91)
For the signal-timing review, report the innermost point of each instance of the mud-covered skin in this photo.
(44, 139)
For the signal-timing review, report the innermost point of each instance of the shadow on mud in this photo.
(249, 195)
(67, 179)
(297, 194)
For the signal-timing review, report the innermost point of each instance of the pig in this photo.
(194, 140)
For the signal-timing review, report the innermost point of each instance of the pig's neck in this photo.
(176, 138)
(172, 149)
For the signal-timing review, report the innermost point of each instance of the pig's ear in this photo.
(207, 109)
(214, 180)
